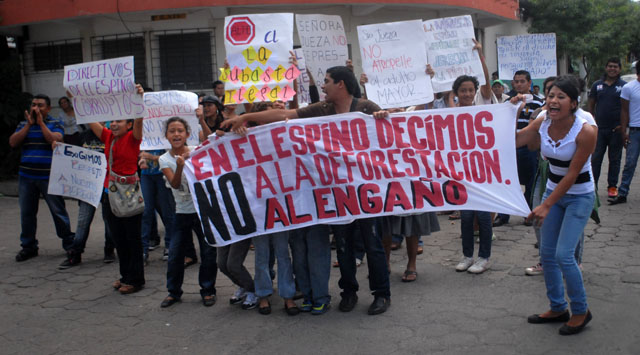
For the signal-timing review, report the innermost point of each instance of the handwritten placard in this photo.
(394, 59)
(323, 42)
(78, 173)
(258, 54)
(279, 178)
(535, 53)
(104, 90)
(303, 80)
(161, 105)
(450, 51)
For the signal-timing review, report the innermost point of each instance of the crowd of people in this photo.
(555, 141)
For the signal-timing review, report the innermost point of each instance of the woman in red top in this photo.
(125, 136)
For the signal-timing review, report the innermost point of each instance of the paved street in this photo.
(47, 311)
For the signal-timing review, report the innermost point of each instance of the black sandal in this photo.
(265, 310)
(292, 311)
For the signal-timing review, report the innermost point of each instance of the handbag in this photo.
(125, 194)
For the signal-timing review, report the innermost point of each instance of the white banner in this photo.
(293, 174)
(303, 80)
(394, 59)
(104, 90)
(160, 106)
(78, 173)
(324, 44)
(258, 54)
(535, 53)
(450, 51)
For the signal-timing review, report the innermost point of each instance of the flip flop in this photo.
(409, 276)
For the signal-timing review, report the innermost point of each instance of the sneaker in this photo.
(72, 260)
(306, 305)
(534, 270)
(612, 191)
(480, 266)
(617, 200)
(464, 264)
(109, 256)
(238, 296)
(250, 301)
(165, 254)
(26, 254)
(358, 262)
(320, 308)
(493, 237)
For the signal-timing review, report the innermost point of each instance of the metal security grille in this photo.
(183, 59)
(122, 45)
(51, 56)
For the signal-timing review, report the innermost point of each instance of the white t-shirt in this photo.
(631, 93)
(182, 196)
(580, 113)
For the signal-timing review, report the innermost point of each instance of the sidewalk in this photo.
(47, 311)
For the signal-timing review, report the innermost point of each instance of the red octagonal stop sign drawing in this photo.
(240, 30)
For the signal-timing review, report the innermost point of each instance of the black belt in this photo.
(582, 178)
(634, 128)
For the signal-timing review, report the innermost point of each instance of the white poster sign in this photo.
(323, 42)
(450, 51)
(394, 60)
(104, 90)
(535, 53)
(160, 106)
(303, 80)
(78, 173)
(333, 169)
(258, 54)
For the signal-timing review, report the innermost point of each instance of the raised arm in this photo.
(486, 88)
(18, 137)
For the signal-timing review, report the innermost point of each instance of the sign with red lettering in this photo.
(258, 54)
(323, 42)
(241, 30)
(397, 78)
(159, 106)
(293, 174)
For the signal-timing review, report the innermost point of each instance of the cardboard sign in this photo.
(104, 90)
(535, 53)
(160, 106)
(323, 42)
(78, 173)
(394, 60)
(303, 80)
(333, 169)
(258, 54)
(450, 51)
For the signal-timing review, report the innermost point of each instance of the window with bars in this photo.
(123, 45)
(51, 56)
(183, 59)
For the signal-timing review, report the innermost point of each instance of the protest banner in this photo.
(450, 51)
(397, 77)
(258, 54)
(303, 80)
(103, 90)
(160, 106)
(323, 42)
(535, 53)
(288, 175)
(78, 173)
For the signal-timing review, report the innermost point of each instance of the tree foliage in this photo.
(589, 30)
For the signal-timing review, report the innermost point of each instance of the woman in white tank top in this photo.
(567, 142)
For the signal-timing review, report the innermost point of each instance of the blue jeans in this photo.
(231, 263)
(126, 236)
(86, 212)
(311, 250)
(485, 229)
(30, 191)
(157, 197)
(633, 150)
(607, 138)
(185, 223)
(262, 278)
(561, 231)
(369, 229)
(536, 199)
